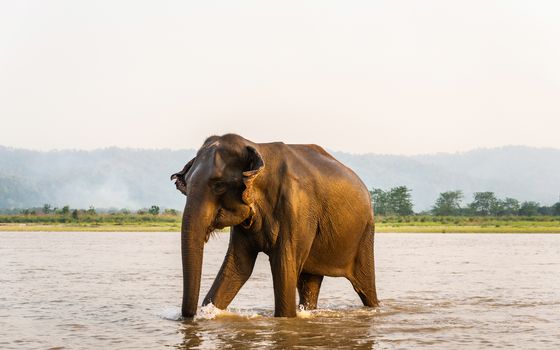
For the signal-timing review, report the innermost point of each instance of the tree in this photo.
(75, 214)
(556, 209)
(379, 199)
(169, 211)
(484, 203)
(46, 208)
(529, 208)
(400, 200)
(154, 210)
(65, 210)
(91, 210)
(544, 210)
(396, 201)
(448, 203)
(508, 206)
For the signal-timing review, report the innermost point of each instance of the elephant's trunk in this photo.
(192, 250)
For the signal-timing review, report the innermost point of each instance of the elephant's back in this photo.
(312, 171)
(335, 183)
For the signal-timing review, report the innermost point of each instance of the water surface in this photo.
(123, 290)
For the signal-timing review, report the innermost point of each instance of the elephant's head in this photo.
(218, 184)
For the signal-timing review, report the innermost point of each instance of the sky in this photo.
(395, 77)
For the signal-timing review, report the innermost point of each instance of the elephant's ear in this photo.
(180, 177)
(254, 168)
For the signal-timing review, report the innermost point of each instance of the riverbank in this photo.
(517, 227)
(171, 222)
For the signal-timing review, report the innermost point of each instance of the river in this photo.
(80, 290)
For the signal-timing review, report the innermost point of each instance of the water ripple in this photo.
(105, 290)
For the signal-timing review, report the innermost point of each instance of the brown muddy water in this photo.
(123, 291)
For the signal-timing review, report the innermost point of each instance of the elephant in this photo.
(296, 203)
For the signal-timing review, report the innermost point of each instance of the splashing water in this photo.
(211, 312)
(207, 312)
(302, 313)
(170, 313)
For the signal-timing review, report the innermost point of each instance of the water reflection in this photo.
(236, 332)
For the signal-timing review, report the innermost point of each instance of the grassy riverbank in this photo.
(469, 224)
(519, 227)
(93, 222)
(172, 223)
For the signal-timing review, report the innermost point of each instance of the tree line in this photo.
(75, 213)
(398, 201)
(48, 214)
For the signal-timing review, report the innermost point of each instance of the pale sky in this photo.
(400, 77)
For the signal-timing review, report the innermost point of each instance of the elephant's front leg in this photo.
(284, 275)
(235, 271)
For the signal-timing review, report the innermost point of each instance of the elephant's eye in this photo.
(219, 187)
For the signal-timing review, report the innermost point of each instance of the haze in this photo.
(399, 77)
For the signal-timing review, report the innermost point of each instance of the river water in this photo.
(123, 291)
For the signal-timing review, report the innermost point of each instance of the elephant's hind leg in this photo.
(308, 287)
(363, 274)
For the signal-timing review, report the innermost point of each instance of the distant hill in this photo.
(104, 178)
(136, 178)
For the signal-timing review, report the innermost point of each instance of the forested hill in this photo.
(136, 178)
(104, 178)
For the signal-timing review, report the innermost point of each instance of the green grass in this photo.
(91, 222)
(462, 224)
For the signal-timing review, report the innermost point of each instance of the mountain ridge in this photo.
(137, 177)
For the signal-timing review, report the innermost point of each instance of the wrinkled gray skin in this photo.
(308, 212)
